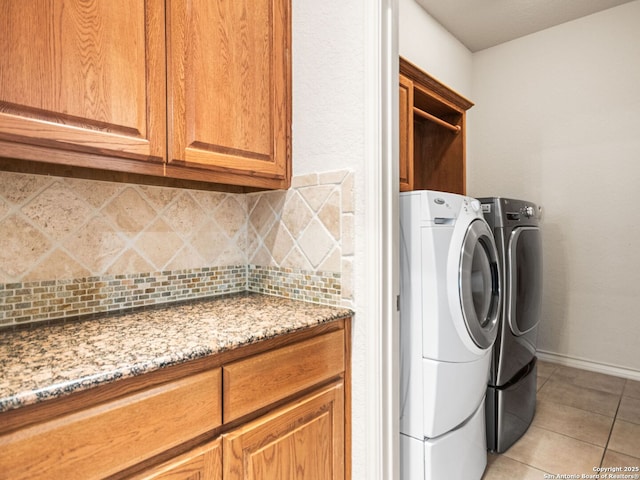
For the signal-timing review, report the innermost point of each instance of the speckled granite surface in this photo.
(56, 360)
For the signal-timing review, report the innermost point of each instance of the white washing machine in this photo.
(450, 296)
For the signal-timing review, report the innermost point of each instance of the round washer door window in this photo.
(480, 284)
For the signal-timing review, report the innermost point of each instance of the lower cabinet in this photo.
(276, 410)
(304, 440)
(99, 439)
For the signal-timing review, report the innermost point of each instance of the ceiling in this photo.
(481, 24)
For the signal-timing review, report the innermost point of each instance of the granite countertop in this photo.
(55, 360)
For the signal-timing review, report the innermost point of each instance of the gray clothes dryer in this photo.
(511, 392)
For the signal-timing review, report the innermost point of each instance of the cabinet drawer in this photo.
(101, 440)
(258, 381)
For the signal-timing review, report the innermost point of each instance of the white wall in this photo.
(428, 45)
(557, 121)
(328, 76)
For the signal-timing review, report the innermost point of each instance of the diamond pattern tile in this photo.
(252, 242)
(158, 244)
(95, 245)
(57, 211)
(262, 256)
(159, 197)
(130, 212)
(17, 188)
(56, 228)
(212, 201)
(21, 244)
(329, 215)
(297, 259)
(130, 262)
(233, 254)
(59, 264)
(210, 241)
(56, 232)
(296, 214)
(332, 262)
(315, 196)
(187, 257)
(262, 217)
(276, 199)
(316, 242)
(313, 213)
(231, 215)
(279, 242)
(96, 194)
(184, 215)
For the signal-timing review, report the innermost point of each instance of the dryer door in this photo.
(479, 284)
(525, 279)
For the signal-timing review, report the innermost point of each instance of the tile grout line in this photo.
(522, 463)
(615, 417)
(565, 435)
(606, 445)
(605, 448)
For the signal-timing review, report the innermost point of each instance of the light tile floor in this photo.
(584, 420)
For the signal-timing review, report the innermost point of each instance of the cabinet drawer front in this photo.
(260, 380)
(101, 440)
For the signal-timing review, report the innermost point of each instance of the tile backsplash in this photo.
(71, 246)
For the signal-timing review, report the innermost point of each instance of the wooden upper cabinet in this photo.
(83, 76)
(229, 72)
(432, 133)
(190, 89)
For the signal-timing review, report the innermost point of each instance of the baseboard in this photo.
(588, 365)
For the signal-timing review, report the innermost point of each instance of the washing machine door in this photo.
(525, 279)
(479, 284)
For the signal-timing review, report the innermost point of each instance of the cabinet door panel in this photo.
(203, 463)
(229, 94)
(84, 76)
(406, 133)
(302, 441)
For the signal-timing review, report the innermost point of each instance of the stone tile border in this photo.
(320, 287)
(52, 299)
(40, 301)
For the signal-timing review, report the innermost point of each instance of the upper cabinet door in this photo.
(229, 86)
(83, 76)
(405, 101)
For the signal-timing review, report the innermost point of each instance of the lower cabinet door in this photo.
(302, 440)
(202, 463)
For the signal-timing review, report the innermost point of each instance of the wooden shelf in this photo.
(432, 133)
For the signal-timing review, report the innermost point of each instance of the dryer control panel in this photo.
(506, 212)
